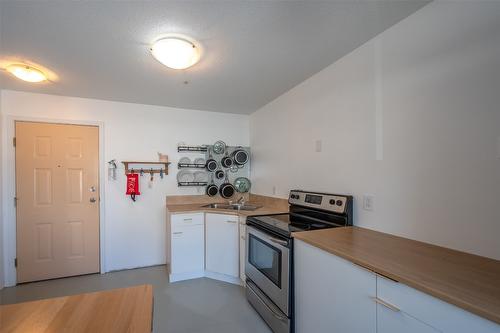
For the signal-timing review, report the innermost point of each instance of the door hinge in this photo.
(15, 262)
(15, 201)
(14, 141)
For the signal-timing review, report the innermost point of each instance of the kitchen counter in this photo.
(196, 207)
(468, 281)
(118, 310)
(195, 203)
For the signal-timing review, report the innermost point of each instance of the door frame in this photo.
(9, 191)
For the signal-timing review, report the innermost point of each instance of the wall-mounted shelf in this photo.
(190, 166)
(163, 169)
(194, 149)
(192, 183)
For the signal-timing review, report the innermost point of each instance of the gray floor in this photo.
(199, 305)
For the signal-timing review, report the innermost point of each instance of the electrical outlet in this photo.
(368, 202)
(318, 146)
(498, 147)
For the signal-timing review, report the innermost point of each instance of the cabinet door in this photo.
(332, 294)
(427, 309)
(392, 320)
(243, 249)
(222, 246)
(188, 249)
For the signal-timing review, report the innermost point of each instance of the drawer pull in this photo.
(384, 303)
(188, 220)
(229, 221)
(177, 233)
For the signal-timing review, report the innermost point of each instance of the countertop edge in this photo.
(404, 280)
(260, 211)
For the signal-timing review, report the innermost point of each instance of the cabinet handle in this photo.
(188, 220)
(177, 233)
(229, 221)
(384, 303)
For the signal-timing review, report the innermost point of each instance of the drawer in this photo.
(180, 220)
(430, 310)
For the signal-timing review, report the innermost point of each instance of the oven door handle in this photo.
(253, 287)
(278, 241)
(267, 238)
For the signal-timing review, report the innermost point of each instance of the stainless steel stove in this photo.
(269, 259)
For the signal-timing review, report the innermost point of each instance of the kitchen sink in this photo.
(232, 206)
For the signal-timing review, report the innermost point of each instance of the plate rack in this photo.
(193, 149)
(192, 184)
(190, 166)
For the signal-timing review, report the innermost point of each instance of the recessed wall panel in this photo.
(43, 147)
(74, 186)
(76, 239)
(75, 148)
(44, 241)
(42, 187)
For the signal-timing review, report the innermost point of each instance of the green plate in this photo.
(242, 184)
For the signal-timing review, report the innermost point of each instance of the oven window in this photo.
(266, 258)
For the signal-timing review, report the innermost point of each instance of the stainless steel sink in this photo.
(232, 206)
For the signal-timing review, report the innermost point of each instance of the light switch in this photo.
(318, 146)
(368, 202)
(498, 147)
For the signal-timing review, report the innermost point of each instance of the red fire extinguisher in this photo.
(133, 185)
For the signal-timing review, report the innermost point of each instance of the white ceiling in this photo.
(254, 51)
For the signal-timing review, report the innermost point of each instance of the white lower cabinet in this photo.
(420, 312)
(222, 245)
(243, 250)
(332, 294)
(394, 321)
(335, 295)
(187, 238)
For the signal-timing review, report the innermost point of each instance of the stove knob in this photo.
(332, 202)
(297, 197)
(292, 196)
(339, 202)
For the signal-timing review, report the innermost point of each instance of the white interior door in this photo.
(57, 190)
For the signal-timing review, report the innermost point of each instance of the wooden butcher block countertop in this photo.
(192, 208)
(195, 203)
(119, 310)
(465, 280)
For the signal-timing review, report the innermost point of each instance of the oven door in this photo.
(268, 265)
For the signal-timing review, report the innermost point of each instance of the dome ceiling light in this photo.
(176, 52)
(26, 73)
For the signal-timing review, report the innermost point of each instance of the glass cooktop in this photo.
(285, 224)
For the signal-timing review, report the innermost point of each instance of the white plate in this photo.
(199, 160)
(200, 176)
(185, 176)
(185, 160)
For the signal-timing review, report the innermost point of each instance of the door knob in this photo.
(92, 199)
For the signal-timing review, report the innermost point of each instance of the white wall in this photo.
(2, 251)
(134, 232)
(411, 117)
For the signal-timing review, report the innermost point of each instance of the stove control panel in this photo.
(330, 202)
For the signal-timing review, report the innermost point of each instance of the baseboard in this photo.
(223, 277)
(185, 276)
(211, 275)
